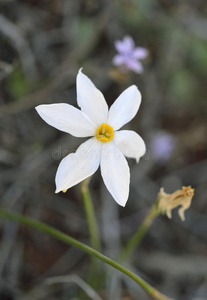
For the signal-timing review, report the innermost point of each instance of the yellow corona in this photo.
(105, 133)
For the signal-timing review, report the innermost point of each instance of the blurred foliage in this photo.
(85, 30)
(17, 84)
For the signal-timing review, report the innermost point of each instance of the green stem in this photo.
(71, 241)
(92, 224)
(139, 234)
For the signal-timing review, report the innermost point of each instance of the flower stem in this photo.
(139, 234)
(71, 241)
(92, 224)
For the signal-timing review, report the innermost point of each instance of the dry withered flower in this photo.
(182, 197)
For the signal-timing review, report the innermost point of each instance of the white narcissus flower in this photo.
(107, 146)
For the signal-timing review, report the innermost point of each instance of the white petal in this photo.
(124, 108)
(91, 100)
(115, 173)
(130, 144)
(67, 118)
(77, 166)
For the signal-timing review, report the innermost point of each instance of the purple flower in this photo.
(129, 55)
(162, 144)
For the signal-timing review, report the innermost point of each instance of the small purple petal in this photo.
(118, 60)
(129, 43)
(140, 53)
(134, 65)
(120, 47)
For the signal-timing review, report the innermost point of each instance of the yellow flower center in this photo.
(105, 133)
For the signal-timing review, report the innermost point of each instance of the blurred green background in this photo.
(42, 46)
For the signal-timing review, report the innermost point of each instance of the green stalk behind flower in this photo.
(92, 224)
(139, 234)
